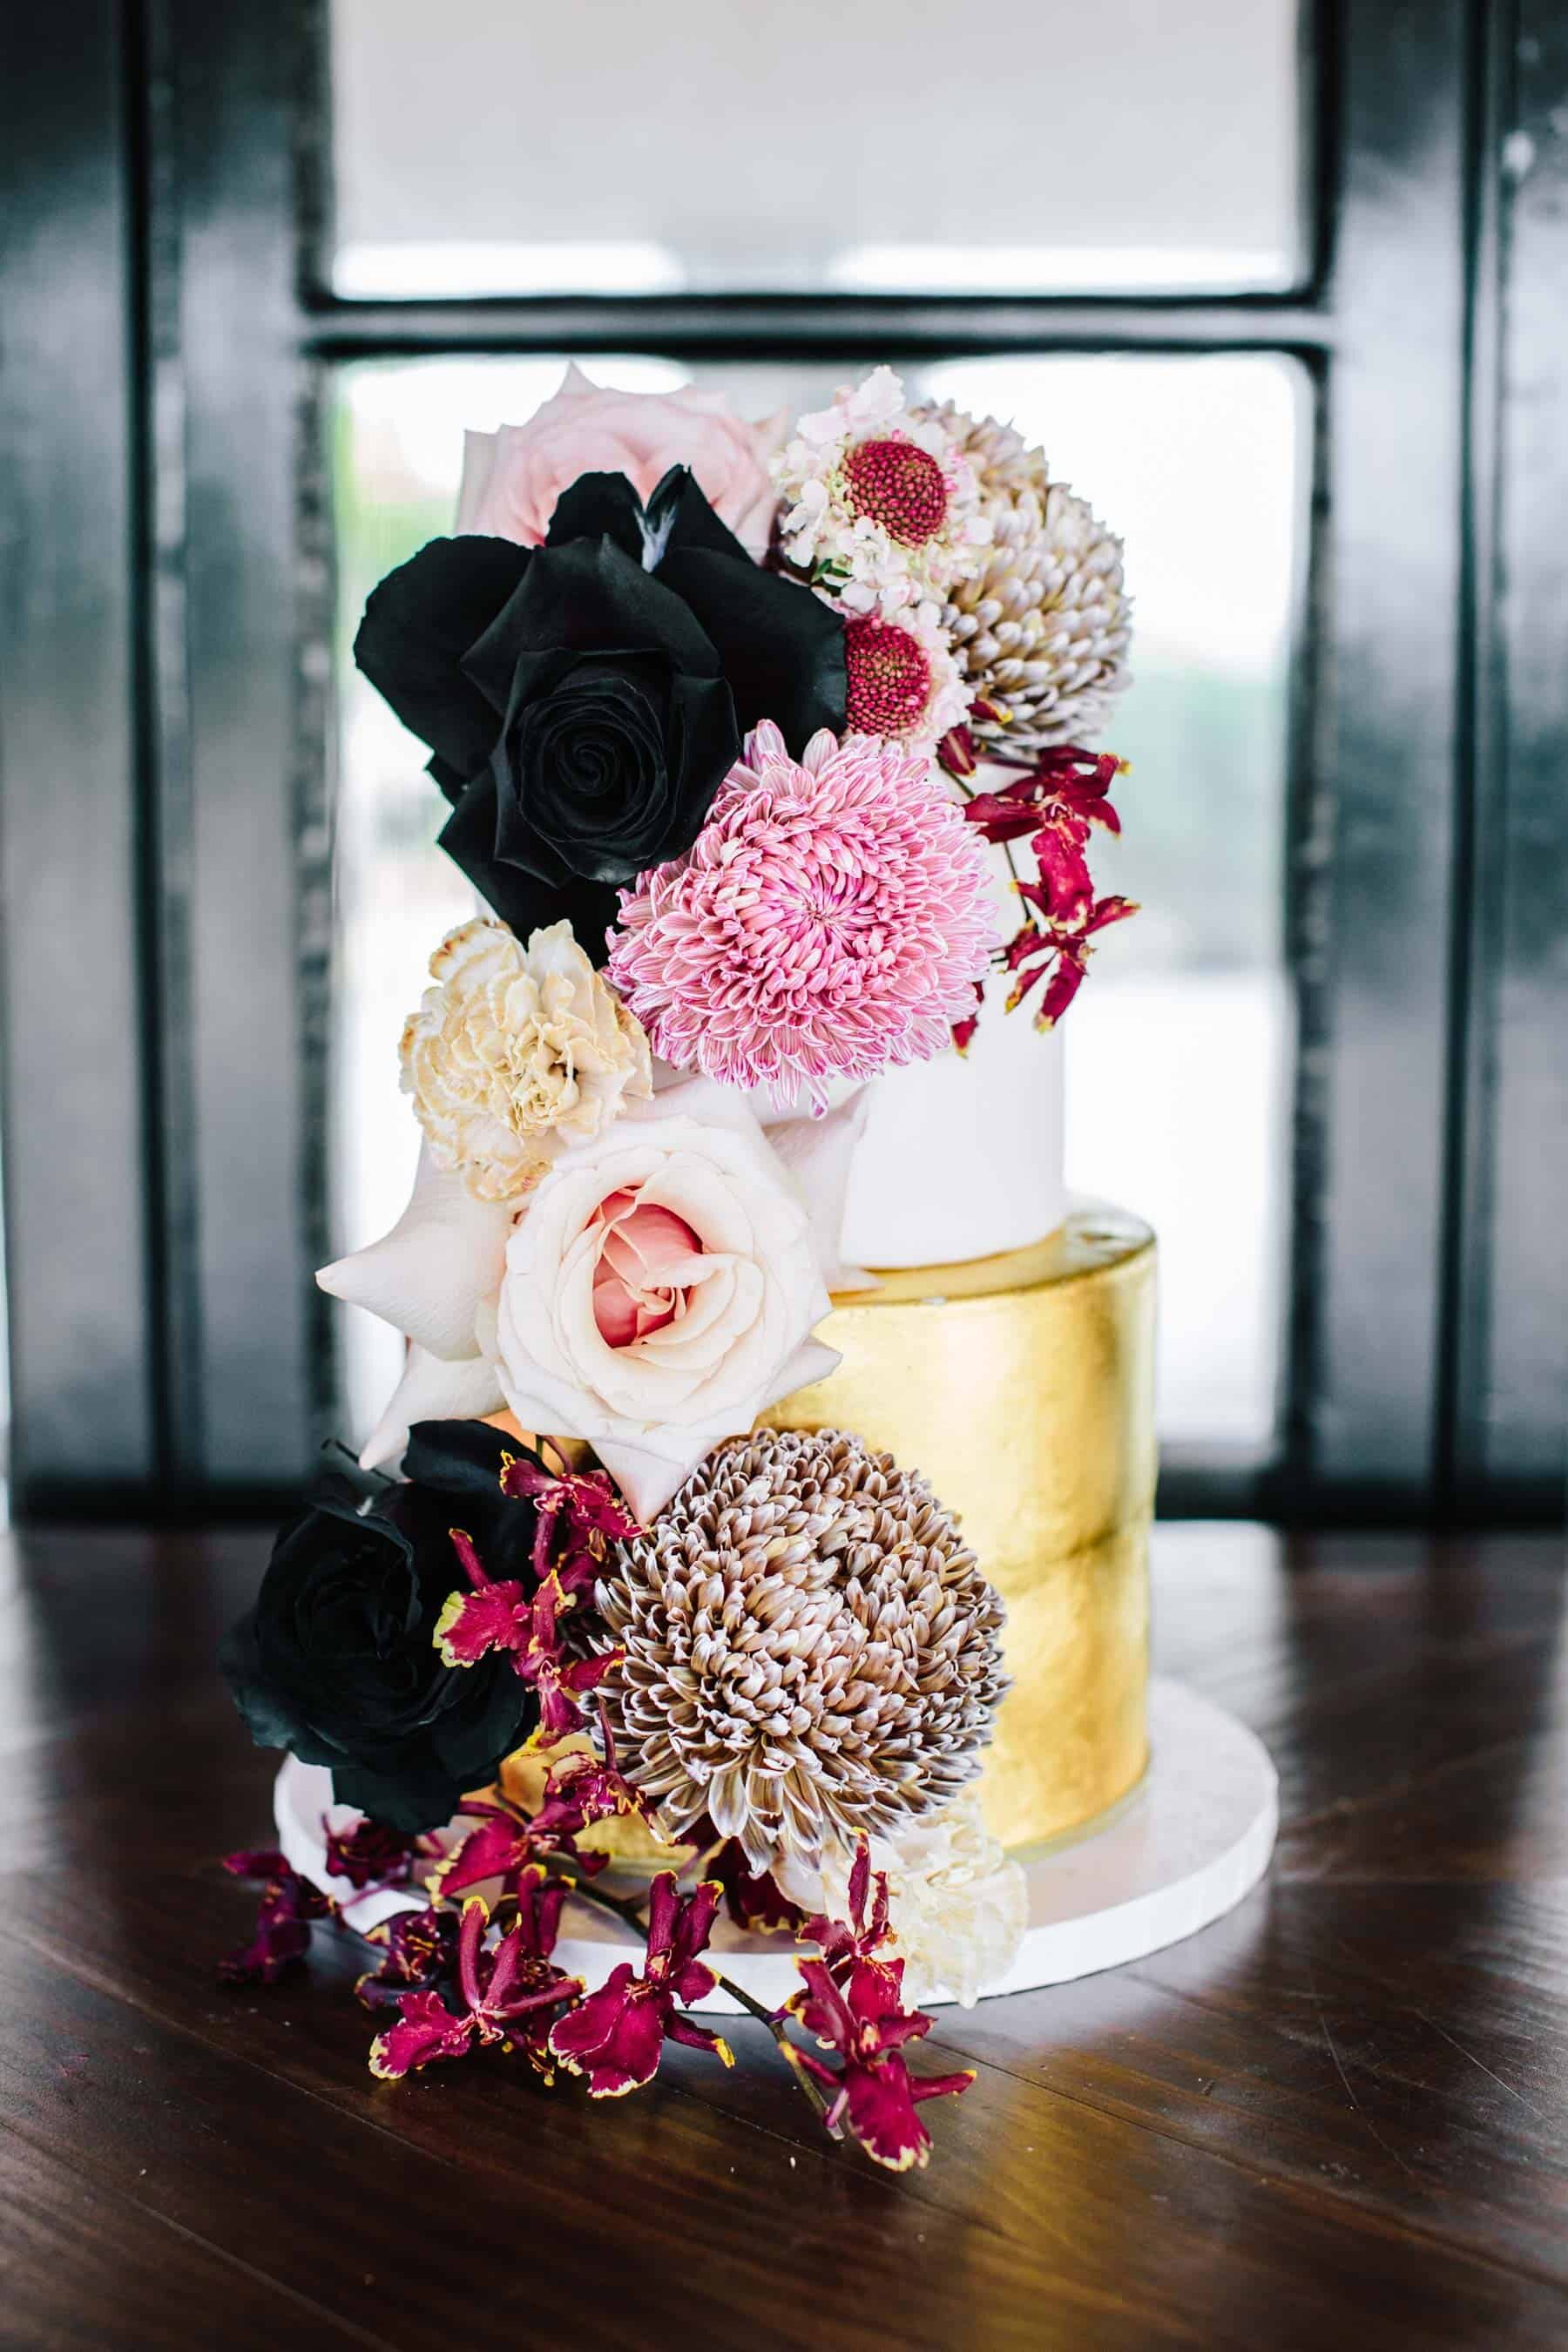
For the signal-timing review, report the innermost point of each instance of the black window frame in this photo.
(165, 644)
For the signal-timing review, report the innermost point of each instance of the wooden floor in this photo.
(1338, 2119)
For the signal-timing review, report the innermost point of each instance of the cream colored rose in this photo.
(661, 1287)
(697, 1342)
(516, 1054)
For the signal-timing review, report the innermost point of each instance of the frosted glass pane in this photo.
(890, 147)
(1179, 1044)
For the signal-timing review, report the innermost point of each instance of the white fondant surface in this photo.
(962, 1157)
(1196, 1839)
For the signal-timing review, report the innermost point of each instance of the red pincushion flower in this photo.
(614, 2036)
(898, 485)
(888, 679)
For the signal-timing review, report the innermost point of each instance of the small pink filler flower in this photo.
(831, 918)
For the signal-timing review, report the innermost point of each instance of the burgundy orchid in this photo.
(371, 1855)
(1064, 786)
(845, 1945)
(578, 1515)
(419, 1949)
(956, 751)
(614, 2036)
(503, 1846)
(1061, 949)
(496, 1614)
(754, 1898)
(873, 2095)
(1052, 804)
(282, 1933)
(579, 1790)
(594, 1785)
(500, 1989)
(964, 1031)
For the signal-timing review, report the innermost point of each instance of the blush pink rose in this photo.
(512, 479)
(645, 1271)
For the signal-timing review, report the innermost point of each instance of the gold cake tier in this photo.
(1023, 1388)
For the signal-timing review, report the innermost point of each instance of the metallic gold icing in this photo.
(1022, 1387)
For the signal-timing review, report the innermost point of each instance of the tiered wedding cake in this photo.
(774, 1458)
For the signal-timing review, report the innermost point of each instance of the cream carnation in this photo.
(517, 1053)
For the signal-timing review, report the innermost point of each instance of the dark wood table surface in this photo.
(1338, 2119)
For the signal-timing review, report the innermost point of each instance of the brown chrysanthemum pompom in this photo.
(1041, 627)
(811, 1650)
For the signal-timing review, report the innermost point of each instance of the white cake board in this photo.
(1182, 1852)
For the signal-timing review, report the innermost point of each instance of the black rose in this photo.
(585, 700)
(337, 1661)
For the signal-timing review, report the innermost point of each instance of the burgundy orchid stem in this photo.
(628, 1912)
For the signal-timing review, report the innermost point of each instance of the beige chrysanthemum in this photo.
(810, 1649)
(1041, 625)
(516, 1052)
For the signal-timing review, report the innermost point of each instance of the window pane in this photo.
(1178, 1045)
(611, 148)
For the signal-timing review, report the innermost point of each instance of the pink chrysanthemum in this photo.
(831, 918)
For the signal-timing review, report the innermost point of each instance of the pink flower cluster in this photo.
(831, 918)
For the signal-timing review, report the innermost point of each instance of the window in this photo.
(707, 148)
(1178, 1053)
(1250, 278)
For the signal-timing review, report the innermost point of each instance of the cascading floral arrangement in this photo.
(731, 720)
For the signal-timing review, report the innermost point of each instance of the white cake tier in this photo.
(962, 1157)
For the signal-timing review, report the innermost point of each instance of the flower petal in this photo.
(429, 1275)
(426, 2030)
(432, 1389)
(817, 1153)
(613, 2036)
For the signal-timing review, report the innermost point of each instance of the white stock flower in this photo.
(516, 1052)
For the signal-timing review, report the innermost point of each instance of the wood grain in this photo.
(1335, 2118)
